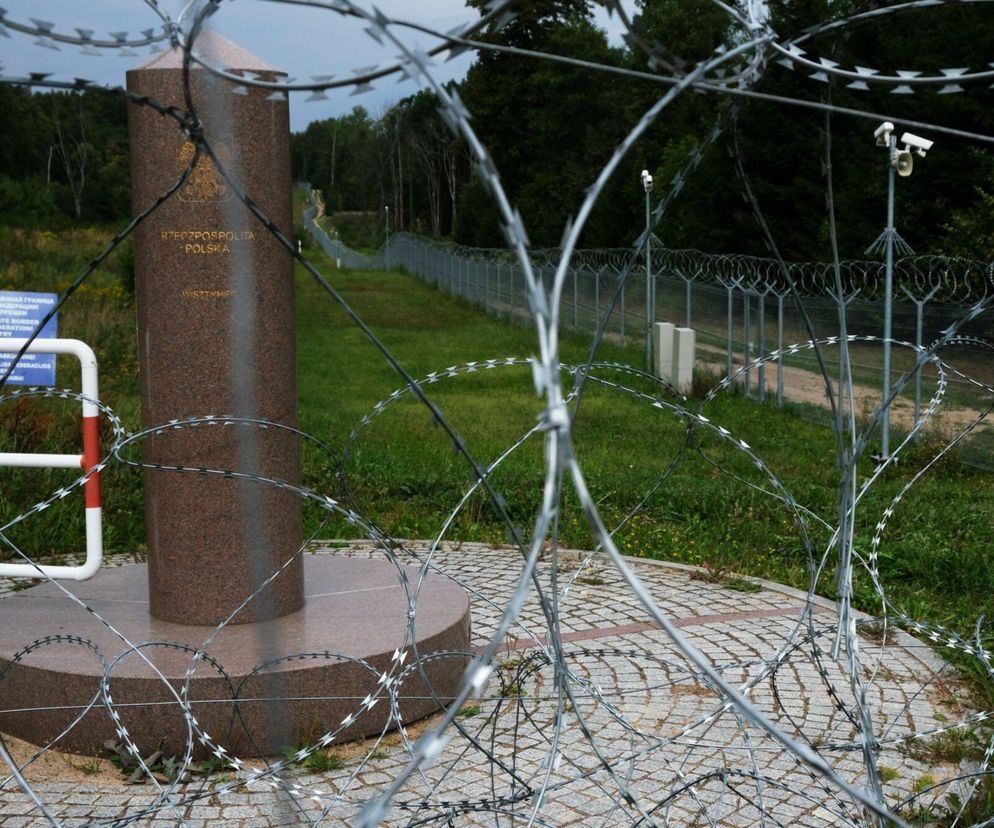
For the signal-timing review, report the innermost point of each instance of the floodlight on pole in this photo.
(650, 299)
(900, 161)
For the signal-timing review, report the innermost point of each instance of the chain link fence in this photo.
(746, 317)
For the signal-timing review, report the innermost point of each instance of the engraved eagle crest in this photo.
(205, 183)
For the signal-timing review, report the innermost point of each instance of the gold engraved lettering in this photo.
(207, 294)
(205, 183)
(206, 241)
(206, 248)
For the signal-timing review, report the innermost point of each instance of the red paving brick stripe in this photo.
(685, 621)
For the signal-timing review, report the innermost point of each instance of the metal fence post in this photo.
(597, 298)
(576, 307)
(747, 337)
(623, 280)
(510, 314)
(780, 349)
(761, 367)
(687, 282)
(919, 339)
(500, 299)
(730, 311)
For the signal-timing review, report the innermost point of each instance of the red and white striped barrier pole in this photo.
(88, 460)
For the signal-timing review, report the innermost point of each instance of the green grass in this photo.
(951, 746)
(101, 313)
(406, 477)
(320, 761)
(404, 473)
(404, 460)
(935, 560)
(888, 774)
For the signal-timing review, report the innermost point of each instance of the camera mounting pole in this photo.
(886, 241)
(650, 297)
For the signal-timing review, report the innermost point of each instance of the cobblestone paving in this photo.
(642, 736)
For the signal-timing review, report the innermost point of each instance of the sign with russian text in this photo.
(20, 313)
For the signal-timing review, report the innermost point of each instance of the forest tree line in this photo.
(551, 127)
(63, 158)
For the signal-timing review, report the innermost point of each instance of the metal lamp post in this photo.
(650, 303)
(901, 162)
(387, 243)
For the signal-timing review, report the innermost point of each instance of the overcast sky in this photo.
(303, 41)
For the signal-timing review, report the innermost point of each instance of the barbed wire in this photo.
(935, 278)
(782, 721)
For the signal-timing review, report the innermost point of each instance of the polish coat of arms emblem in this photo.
(205, 182)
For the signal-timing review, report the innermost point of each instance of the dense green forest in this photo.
(551, 127)
(63, 158)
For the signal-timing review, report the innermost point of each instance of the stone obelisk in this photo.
(216, 337)
(214, 291)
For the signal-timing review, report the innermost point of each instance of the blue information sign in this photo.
(20, 313)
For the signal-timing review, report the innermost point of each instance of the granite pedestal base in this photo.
(246, 694)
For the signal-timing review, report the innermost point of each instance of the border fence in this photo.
(745, 315)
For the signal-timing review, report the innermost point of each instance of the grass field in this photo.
(934, 559)
(711, 508)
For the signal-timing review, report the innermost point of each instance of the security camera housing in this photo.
(882, 133)
(920, 145)
(647, 181)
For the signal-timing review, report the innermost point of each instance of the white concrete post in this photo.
(664, 350)
(683, 359)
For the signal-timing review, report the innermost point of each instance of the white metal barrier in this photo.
(86, 461)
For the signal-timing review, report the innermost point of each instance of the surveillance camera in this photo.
(921, 145)
(647, 181)
(882, 133)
